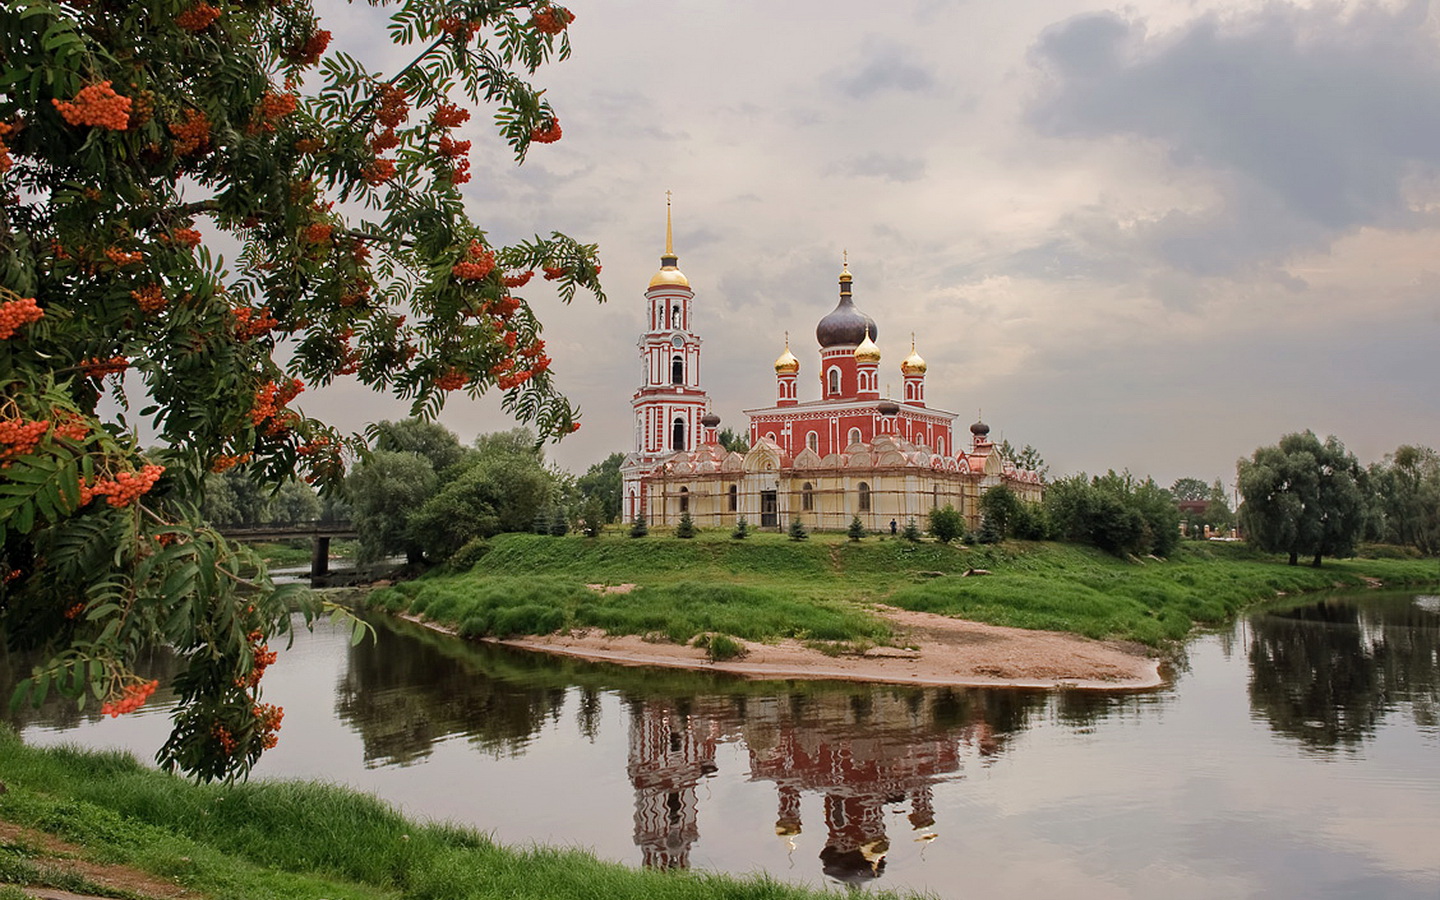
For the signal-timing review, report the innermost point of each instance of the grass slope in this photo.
(291, 840)
(768, 587)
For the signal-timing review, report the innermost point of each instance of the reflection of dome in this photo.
(867, 352)
(979, 429)
(787, 364)
(845, 324)
(914, 364)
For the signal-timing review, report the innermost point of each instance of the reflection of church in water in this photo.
(864, 756)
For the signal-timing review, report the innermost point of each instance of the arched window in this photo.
(834, 381)
(684, 500)
(812, 440)
(864, 497)
(935, 497)
(677, 370)
(770, 435)
(909, 391)
(734, 498)
(940, 445)
(675, 316)
(807, 497)
(677, 435)
(854, 436)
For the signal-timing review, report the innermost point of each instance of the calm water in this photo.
(1297, 755)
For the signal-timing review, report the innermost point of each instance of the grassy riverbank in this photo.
(823, 590)
(279, 840)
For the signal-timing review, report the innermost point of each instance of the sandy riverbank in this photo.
(936, 650)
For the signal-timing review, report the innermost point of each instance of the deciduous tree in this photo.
(132, 137)
(1302, 498)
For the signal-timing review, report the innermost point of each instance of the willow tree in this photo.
(137, 135)
(1302, 497)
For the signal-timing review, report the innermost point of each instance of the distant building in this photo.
(849, 453)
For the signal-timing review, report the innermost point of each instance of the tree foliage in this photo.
(603, 482)
(1026, 457)
(136, 137)
(1406, 498)
(946, 524)
(1302, 497)
(1118, 513)
(1001, 507)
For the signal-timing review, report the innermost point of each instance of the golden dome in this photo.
(914, 364)
(867, 352)
(787, 364)
(669, 275)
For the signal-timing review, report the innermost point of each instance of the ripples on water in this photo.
(1296, 755)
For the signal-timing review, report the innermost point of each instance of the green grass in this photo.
(824, 590)
(287, 839)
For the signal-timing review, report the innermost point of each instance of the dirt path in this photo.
(938, 651)
(54, 857)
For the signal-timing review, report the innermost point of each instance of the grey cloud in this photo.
(887, 67)
(899, 169)
(1313, 119)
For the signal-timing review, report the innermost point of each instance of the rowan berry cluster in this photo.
(132, 699)
(75, 610)
(319, 232)
(551, 19)
(5, 161)
(272, 108)
(198, 17)
(225, 738)
(452, 380)
(190, 237)
(448, 115)
(123, 258)
(149, 298)
(271, 399)
(251, 323)
(555, 272)
(125, 488)
(71, 425)
(394, 105)
(261, 656)
(223, 462)
(548, 134)
(17, 313)
(192, 136)
(479, 262)
(309, 52)
(99, 368)
(459, 29)
(268, 716)
(309, 145)
(18, 437)
(518, 280)
(451, 148)
(385, 140)
(97, 105)
(379, 171)
(310, 448)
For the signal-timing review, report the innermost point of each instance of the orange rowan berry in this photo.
(379, 171)
(551, 19)
(309, 52)
(319, 233)
(96, 105)
(479, 262)
(448, 115)
(192, 136)
(198, 17)
(519, 280)
(548, 134)
(122, 258)
(394, 106)
(16, 313)
(133, 698)
(149, 298)
(99, 368)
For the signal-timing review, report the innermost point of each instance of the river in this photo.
(1296, 754)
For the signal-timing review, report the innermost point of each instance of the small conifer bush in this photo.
(911, 532)
(742, 529)
(797, 530)
(686, 526)
(857, 529)
(638, 528)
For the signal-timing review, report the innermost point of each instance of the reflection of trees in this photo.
(403, 696)
(61, 713)
(1327, 673)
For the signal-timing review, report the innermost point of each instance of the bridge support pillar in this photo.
(320, 559)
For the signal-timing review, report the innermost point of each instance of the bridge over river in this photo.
(318, 533)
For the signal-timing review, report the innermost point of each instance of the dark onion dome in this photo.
(979, 429)
(888, 407)
(710, 420)
(846, 325)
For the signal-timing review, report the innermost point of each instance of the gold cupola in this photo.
(669, 271)
(867, 352)
(914, 364)
(787, 364)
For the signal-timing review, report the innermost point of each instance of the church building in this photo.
(849, 453)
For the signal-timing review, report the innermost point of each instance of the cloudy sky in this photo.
(1151, 236)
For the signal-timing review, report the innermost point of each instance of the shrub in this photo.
(720, 647)
(464, 559)
(911, 532)
(592, 517)
(946, 524)
(742, 529)
(797, 530)
(638, 528)
(686, 527)
(857, 529)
